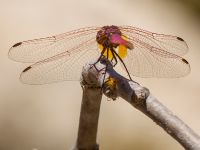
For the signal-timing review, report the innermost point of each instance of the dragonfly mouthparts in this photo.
(121, 40)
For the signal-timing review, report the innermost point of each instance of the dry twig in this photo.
(138, 96)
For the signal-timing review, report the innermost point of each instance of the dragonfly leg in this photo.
(114, 57)
(123, 64)
(101, 55)
(107, 56)
(104, 49)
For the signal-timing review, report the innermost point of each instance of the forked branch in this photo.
(115, 86)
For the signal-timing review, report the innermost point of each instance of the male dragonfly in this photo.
(61, 57)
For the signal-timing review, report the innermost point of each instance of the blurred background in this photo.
(46, 117)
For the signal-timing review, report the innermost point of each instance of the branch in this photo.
(90, 107)
(116, 85)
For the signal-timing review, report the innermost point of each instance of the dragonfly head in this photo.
(111, 36)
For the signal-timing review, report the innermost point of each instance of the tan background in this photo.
(46, 117)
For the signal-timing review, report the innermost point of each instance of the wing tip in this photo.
(185, 61)
(10, 51)
(23, 79)
(17, 44)
(26, 69)
(180, 39)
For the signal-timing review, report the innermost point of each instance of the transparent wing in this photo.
(169, 43)
(148, 61)
(64, 66)
(39, 49)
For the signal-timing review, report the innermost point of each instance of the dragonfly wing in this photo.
(64, 66)
(169, 43)
(148, 61)
(39, 49)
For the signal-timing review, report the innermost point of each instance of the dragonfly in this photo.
(140, 52)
